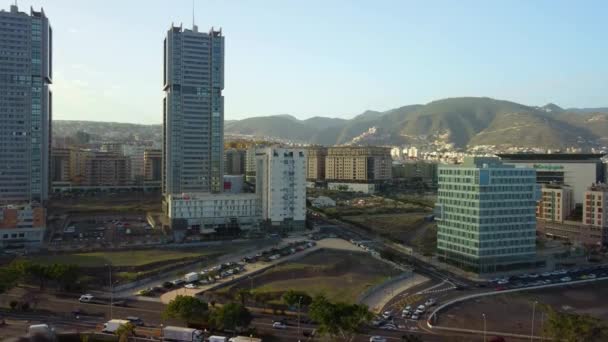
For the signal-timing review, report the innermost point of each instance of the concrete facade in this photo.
(153, 164)
(281, 185)
(315, 163)
(22, 225)
(205, 211)
(555, 204)
(358, 164)
(234, 161)
(574, 170)
(193, 111)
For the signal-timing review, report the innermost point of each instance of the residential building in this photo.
(555, 204)
(22, 226)
(96, 168)
(281, 185)
(595, 208)
(153, 164)
(208, 212)
(315, 160)
(60, 165)
(577, 170)
(486, 215)
(193, 111)
(136, 156)
(422, 171)
(347, 168)
(25, 106)
(250, 164)
(234, 161)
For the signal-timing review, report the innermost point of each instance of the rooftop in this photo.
(595, 157)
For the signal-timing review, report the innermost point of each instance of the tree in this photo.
(242, 294)
(188, 309)
(338, 320)
(9, 276)
(293, 298)
(232, 316)
(569, 327)
(124, 331)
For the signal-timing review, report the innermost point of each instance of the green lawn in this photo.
(341, 276)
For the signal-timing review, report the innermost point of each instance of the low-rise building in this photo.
(22, 225)
(322, 202)
(422, 171)
(205, 211)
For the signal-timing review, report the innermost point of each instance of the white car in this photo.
(415, 317)
(386, 314)
(377, 339)
(191, 286)
(408, 308)
(565, 279)
(421, 308)
(85, 298)
(502, 282)
(431, 301)
(279, 325)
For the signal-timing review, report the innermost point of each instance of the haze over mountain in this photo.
(465, 121)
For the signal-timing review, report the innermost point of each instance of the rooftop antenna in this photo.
(194, 28)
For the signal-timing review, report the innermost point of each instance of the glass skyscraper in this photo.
(193, 111)
(487, 215)
(25, 106)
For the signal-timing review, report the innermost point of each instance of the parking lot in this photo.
(197, 280)
(99, 231)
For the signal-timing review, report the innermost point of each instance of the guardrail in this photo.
(433, 315)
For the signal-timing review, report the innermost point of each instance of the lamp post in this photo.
(484, 326)
(533, 312)
(111, 289)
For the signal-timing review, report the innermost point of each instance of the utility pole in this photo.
(111, 290)
(299, 309)
(533, 312)
(484, 327)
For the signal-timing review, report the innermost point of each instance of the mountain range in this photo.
(463, 122)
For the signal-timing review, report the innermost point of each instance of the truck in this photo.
(41, 331)
(191, 277)
(244, 339)
(182, 334)
(112, 325)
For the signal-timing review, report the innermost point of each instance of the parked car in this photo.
(136, 321)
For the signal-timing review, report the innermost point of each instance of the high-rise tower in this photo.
(193, 111)
(25, 106)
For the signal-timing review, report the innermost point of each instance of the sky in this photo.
(330, 58)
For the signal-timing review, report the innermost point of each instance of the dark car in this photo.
(136, 321)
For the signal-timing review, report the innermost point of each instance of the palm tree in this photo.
(125, 331)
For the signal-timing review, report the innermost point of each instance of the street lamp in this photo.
(111, 289)
(533, 312)
(484, 326)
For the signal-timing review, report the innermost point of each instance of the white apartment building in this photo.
(281, 185)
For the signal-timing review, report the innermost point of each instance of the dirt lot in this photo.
(513, 312)
(408, 228)
(98, 202)
(341, 276)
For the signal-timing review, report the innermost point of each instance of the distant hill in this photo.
(464, 121)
